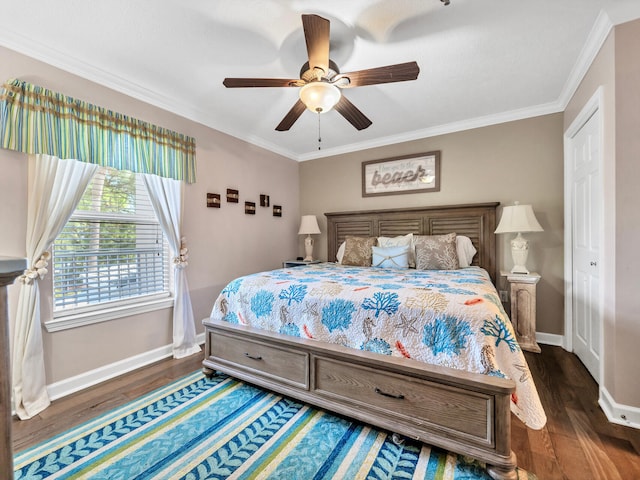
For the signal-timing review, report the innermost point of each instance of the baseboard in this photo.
(616, 413)
(88, 379)
(550, 339)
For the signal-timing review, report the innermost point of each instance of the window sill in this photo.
(102, 315)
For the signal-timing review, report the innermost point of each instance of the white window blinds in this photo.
(112, 249)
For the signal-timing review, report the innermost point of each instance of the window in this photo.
(112, 249)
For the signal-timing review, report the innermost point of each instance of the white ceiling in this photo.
(481, 62)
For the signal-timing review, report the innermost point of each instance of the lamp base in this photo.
(308, 249)
(519, 253)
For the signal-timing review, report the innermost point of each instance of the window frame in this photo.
(108, 310)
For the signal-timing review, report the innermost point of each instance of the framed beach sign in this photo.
(407, 174)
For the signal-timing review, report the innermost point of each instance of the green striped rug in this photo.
(197, 428)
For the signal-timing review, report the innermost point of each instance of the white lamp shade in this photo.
(320, 97)
(518, 218)
(309, 225)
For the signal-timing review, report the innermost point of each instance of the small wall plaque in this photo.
(233, 196)
(277, 210)
(264, 200)
(250, 208)
(213, 200)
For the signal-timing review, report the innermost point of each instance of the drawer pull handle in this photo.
(390, 395)
(252, 357)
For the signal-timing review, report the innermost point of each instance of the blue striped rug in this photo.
(197, 428)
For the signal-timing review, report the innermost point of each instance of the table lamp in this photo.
(308, 227)
(517, 219)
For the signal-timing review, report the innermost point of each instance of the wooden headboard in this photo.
(476, 221)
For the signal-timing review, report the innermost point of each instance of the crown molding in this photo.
(44, 53)
(469, 124)
(599, 33)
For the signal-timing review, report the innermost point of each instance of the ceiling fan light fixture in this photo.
(320, 97)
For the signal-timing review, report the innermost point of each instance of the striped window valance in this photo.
(34, 119)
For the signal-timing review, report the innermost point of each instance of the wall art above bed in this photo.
(416, 173)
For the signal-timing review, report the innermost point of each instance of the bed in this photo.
(429, 355)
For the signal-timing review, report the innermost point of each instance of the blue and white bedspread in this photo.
(452, 318)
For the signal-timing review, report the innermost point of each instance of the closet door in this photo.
(586, 233)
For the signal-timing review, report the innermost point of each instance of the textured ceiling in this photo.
(481, 62)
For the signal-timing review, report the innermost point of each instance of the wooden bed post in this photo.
(503, 442)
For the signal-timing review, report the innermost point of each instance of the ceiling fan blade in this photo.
(354, 116)
(400, 72)
(261, 82)
(291, 117)
(316, 34)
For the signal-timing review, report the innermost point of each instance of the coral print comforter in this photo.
(452, 318)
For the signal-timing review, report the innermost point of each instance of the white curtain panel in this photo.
(56, 186)
(166, 198)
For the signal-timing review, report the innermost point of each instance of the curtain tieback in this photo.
(38, 271)
(181, 260)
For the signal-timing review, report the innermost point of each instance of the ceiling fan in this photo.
(321, 82)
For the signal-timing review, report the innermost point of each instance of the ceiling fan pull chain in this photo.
(319, 137)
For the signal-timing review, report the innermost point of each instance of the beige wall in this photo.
(223, 243)
(617, 70)
(520, 160)
(627, 331)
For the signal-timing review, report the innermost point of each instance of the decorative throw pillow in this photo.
(436, 252)
(466, 251)
(397, 242)
(357, 251)
(390, 257)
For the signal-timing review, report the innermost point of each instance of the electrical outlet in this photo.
(504, 296)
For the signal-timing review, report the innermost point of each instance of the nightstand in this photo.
(523, 308)
(298, 263)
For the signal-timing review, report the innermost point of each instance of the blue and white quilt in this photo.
(452, 318)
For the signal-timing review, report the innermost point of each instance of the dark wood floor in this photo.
(577, 443)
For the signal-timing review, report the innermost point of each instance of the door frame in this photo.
(593, 105)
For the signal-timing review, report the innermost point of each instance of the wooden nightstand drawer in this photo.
(409, 400)
(275, 363)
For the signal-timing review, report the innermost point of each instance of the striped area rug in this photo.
(201, 428)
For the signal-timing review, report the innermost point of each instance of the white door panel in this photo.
(586, 205)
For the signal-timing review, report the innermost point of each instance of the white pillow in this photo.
(466, 251)
(390, 257)
(398, 242)
(340, 253)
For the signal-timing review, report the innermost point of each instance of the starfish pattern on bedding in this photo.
(407, 324)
